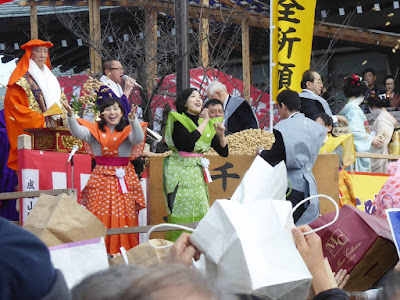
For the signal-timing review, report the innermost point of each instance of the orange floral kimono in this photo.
(114, 201)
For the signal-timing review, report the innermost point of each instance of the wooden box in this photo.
(326, 170)
(54, 139)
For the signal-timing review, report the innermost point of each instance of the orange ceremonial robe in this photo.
(102, 194)
(20, 114)
(21, 108)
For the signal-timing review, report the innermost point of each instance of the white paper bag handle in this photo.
(165, 225)
(124, 255)
(323, 226)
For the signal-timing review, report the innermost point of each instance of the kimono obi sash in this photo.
(112, 161)
(190, 154)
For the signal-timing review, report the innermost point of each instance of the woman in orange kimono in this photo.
(113, 192)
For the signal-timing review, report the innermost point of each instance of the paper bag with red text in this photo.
(360, 243)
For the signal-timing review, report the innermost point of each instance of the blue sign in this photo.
(394, 222)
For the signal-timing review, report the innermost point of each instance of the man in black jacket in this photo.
(312, 104)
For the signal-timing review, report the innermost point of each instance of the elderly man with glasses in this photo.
(114, 79)
(238, 112)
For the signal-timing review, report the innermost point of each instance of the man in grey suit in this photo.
(297, 142)
(238, 113)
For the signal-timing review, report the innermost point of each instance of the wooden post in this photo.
(182, 45)
(151, 48)
(204, 31)
(246, 59)
(34, 22)
(95, 36)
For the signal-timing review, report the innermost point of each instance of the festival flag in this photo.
(292, 42)
(274, 50)
(273, 64)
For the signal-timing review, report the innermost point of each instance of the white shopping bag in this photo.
(251, 249)
(79, 259)
(262, 181)
(247, 241)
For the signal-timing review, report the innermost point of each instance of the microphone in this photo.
(154, 135)
(124, 77)
(73, 151)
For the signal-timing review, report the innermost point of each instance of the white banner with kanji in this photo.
(45, 170)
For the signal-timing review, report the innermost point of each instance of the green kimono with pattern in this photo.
(185, 189)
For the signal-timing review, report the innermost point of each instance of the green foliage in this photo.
(76, 105)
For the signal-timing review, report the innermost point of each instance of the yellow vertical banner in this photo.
(292, 42)
(274, 48)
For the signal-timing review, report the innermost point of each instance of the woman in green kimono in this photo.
(185, 171)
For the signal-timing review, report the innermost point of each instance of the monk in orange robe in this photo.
(32, 90)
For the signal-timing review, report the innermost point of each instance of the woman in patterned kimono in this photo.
(184, 179)
(113, 192)
(354, 89)
(384, 122)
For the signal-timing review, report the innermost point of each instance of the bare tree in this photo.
(126, 41)
(332, 91)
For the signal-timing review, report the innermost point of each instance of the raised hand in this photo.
(132, 114)
(219, 128)
(204, 114)
(67, 107)
(128, 86)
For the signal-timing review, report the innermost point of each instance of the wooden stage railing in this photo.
(376, 155)
(145, 229)
(31, 194)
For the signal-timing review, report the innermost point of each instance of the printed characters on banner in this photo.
(47, 170)
(224, 174)
(29, 182)
(293, 32)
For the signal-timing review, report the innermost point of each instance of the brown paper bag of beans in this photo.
(60, 219)
(144, 254)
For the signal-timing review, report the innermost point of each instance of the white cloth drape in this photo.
(47, 82)
(115, 87)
